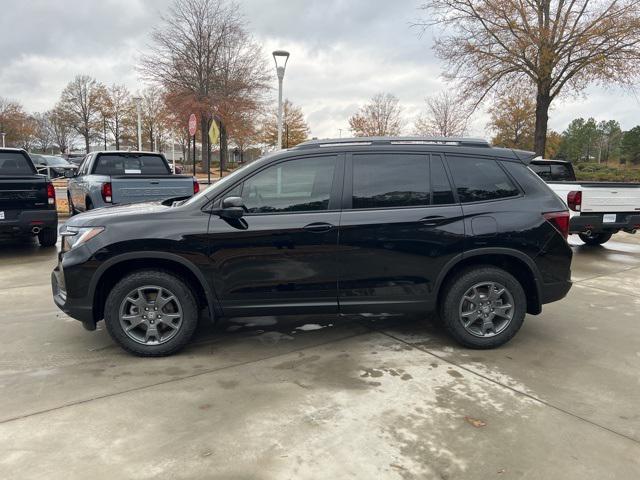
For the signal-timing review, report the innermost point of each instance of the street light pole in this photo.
(138, 100)
(3, 134)
(281, 57)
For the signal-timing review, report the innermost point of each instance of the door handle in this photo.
(432, 220)
(319, 227)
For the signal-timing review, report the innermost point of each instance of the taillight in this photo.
(51, 194)
(560, 220)
(574, 201)
(196, 185)
(107, 192)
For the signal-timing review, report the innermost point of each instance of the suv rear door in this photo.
(280, 257)
(400, 226)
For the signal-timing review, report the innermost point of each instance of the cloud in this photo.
(342, 53)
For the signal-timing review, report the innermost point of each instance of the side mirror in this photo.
(232, 207)
(69, 173)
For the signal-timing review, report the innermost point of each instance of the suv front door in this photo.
(280, 257)
(400, 226)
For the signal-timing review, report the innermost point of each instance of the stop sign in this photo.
(193, 123)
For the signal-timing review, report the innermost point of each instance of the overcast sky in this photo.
(342, 53)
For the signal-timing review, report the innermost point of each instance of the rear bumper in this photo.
(552, 292)
(594, 223)
(24, 222)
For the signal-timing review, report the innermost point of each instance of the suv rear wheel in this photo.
(151, 313)
(483, 307)
(48, 237)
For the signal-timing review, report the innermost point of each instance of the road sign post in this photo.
(193, 124)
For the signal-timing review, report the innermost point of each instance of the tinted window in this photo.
(440, 186)
(13, 163)
(131, 165)
(293, 186)
(480, 179)
(543, 171)
(390, 180)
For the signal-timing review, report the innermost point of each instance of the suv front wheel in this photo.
(483, 307)
(151, 313)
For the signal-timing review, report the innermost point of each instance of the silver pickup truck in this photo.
(114, 177)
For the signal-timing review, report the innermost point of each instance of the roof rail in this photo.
(364, 141)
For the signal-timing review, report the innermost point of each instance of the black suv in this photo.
(349, 226)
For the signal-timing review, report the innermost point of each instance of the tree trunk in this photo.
(543, 101)
(86, 142)
(223, 146)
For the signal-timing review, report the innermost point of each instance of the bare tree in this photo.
(119, 112)
(43, 135)
(380, 117)
(559, 46)
(202, 55)
(82, 101)
(16, 124)
(61, 129)
(445, 116)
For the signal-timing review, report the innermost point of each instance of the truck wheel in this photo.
(483, 307)
(48, 237)
(151, 313)
(595, 238)
(88, 204)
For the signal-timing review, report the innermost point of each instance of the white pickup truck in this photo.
(598, 209)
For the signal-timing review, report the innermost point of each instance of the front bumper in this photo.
(80, 309)
(24, 221)
(595, 223)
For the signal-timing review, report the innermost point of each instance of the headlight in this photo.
(75, 236)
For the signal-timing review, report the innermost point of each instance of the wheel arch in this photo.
(115, 268)
(516, 263)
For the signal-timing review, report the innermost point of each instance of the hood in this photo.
(116, 213)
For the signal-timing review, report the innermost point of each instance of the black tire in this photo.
(167, 280)
(595, 238)
(88, 205)
(452, 298)
(48, 237)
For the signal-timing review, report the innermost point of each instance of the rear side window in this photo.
(553, 172)
(390, 180)
(14, 163)
(131, 165)
(480, 179)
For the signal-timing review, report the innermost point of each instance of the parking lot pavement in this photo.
(317, 397)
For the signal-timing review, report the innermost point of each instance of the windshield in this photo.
(14, 163)
(130, 164)
(56, 161)
(228, 180)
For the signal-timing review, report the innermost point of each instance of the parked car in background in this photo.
(598, 209)
(27, 199)
(348, 226)
(114, 177)
(75, 158)
(51, 165)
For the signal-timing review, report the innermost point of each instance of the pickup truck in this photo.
(114, 177)
(27, 199)
(598, 209)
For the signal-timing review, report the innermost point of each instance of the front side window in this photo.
(390, 180)
(300, 185)
(480, 179)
